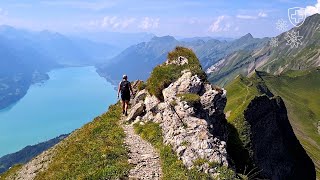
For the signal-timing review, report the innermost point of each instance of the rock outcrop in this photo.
(276, 150)
(136, 110)
(194, 131)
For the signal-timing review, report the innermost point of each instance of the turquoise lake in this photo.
(68, 100)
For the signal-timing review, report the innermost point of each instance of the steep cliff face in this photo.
(276, 151)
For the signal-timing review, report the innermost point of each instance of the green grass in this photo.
(10, 172)
(95, 151)
(191, 98)
(141, 86)
(172, 167)
(240, 92)
(163, 75)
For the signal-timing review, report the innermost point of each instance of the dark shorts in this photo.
(125, 97)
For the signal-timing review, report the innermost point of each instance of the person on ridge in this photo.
(125, 89)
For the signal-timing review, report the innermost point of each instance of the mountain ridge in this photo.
(147, 55)
(184, 119)
(273, 59)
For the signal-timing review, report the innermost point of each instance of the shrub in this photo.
(162, 76)
(193, 62)
(173, 103)
(185, 143)
(190, 98)
(141, 86)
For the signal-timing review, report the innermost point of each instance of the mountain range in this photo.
(138, 60)
(26, 56)
(273, 60)
(222, 60)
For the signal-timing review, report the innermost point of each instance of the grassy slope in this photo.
(172, 167)
(300, 91)
(95, 151)
(11, 171)
(239, 94)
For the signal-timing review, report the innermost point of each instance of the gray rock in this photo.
(187, 83)
(179, 61)
(135, 111)
(185, 123)
(140, 96)
(151, 102)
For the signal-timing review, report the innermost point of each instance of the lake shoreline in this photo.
(87, 95)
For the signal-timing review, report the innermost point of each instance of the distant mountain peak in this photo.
(163, 38)
(315, 16)
(247, 36)
(311, 21)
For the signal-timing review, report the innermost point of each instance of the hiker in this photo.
(125, 89)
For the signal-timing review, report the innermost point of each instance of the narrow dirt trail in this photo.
(142, 156)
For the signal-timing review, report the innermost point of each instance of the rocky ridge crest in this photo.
(191, 117)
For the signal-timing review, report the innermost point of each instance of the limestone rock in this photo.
(151, 102)
(140, 96)
(179, 61)
(187, 83)
(135, 111)
(187, 129)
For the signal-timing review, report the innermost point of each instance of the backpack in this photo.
(124, 87)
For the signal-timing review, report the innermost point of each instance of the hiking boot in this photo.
(123, 111)
(126, 114)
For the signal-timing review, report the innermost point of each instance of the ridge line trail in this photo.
(243, 102)
(247, 88)
(142, 155)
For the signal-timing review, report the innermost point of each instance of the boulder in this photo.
(140, 96)
(187, 83)
(136, 110)
(213, 101)
(151, 102)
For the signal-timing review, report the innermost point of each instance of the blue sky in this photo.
(188, 18)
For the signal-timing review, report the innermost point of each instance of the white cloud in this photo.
(149, 23)
(262, 14)
(259, 15)
(310, 10)
(114, 22)
(122, 23)
(246, 17)
(219, 25)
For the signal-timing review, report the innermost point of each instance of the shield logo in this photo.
(297, 16)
